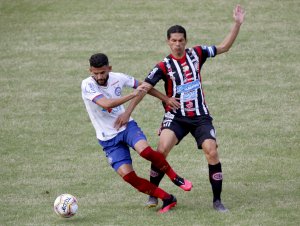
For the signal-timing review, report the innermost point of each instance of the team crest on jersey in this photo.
(185, 68)
(118, 91)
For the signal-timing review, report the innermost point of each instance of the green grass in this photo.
(48, 145)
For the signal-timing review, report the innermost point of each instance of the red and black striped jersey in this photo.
(182, 79)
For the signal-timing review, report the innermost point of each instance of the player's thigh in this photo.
(117, 153)
(135, 137)
(167, 140)
(202, 133)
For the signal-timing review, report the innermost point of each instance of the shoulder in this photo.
(119, 75)
(161, 66)
(88, 80)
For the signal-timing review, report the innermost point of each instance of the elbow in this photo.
(107, 105)
(223, 49)
(226, 50)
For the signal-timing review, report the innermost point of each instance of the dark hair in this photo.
(176, 29)
(99, 60)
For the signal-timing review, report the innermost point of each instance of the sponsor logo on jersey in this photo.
(217, 176)
(189, 109)
(167, 122)
(118, 91)
(192, 95)
(167, 119)
(188, 87)
(112, 110)
(190, 104)
(108, 110)
(169, 115)
(151, 74)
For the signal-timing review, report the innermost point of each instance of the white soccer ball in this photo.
(65, 205)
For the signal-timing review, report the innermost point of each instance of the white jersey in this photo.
(103, 120)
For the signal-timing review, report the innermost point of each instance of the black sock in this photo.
(156, 175)
(216, 178)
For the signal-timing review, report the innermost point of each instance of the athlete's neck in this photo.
(180, 58)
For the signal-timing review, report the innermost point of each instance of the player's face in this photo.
(177, 44)
(100, 74)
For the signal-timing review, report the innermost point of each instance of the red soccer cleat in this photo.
(184, 184)
(168, 204)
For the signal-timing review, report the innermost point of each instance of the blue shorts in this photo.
(117, 149)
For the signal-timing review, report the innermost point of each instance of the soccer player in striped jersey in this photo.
(181, 73)
(102, 96)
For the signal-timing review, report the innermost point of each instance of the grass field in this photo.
(48, 145)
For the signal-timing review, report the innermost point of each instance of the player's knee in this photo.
(213, 154)
(163, 149)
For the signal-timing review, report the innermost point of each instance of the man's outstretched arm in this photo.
(238, 16)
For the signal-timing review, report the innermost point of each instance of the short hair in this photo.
(98, 60)
(176, 29)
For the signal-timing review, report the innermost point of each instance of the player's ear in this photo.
(168, 42)
(109, 68)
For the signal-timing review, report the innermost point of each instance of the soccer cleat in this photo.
(218, 206)
(184, 184)
(152, 202)
(168, 204)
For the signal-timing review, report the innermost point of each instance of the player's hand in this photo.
(239, 14)
(140, 90)
(122, 120)
(145, 86)
(173, 103)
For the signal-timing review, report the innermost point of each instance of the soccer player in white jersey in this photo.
(180, 72)
(102, 96)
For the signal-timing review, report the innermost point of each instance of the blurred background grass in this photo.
(48, 145)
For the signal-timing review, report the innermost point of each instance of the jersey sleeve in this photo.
(209, 51)
(89, 91)
(155, 75)
(205, 52)
(129, 81)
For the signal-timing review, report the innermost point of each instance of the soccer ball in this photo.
(65, 205)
